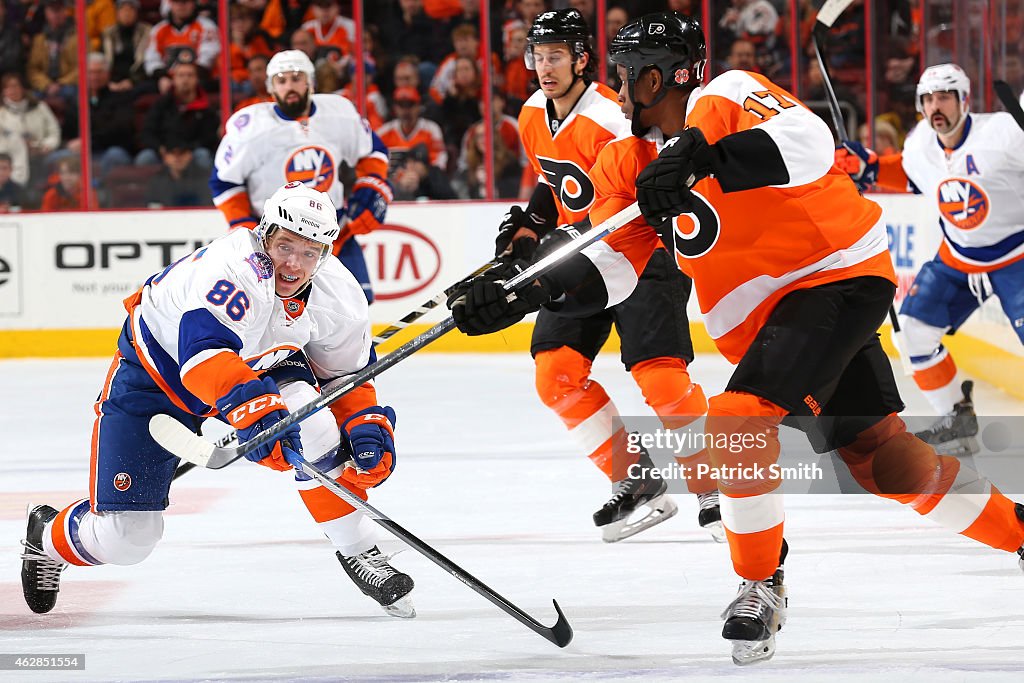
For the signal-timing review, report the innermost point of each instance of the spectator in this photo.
(509, 156)
(181, 181)
(12, 51)
(124, 45)
(529, 9)
(518, 78)
(416, 178)
(615, 18)
(743, 56)
(184, 111)
(408, 129)
(257, 82)
(111, 118)
(408, 30)
(329, 29)
(247, 40)
(406, 74)
(53, 59)
(182, 29)
(30, 119)
(12, 195)
(270, 14)
(303, 41)
(460, 107)
(467, 45)
(99, 16)
(65, 194)
(887, 138)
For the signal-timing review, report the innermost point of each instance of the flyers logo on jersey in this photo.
(963, 203)
(694, 234)
(571, 183)
(312, 166)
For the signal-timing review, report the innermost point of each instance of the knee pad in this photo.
(889, 461)
(561, 375)
(920, 338)
(668, 390)
(743, 441)
(319, 432)
(126, 537)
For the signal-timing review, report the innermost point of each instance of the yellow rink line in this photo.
(975, 357)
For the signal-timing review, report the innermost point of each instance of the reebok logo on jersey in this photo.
(250, 411)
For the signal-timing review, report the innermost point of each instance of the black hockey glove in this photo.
(482, 306)
(517, 235)
(663, 187)
(563, 234)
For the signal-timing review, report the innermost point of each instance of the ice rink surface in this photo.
(244, 587)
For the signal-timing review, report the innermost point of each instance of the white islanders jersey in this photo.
(979, 187)
(262, 150)
(222, 298)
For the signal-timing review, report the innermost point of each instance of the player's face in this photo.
(290, 89)
(941, 110)
(625, 104)
(554, 69)
(295, 260)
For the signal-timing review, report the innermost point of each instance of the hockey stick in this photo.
(560, 634)
(384, 335)
(1010, 102)
(168, 432)
(827, 16)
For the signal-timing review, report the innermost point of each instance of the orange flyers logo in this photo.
(312, 166)
(122, 481)
(963, 203)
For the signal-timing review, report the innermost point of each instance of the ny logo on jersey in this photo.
(571, 183)
(963, 203)
(312, 166)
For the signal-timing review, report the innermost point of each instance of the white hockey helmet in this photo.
(303, 211)
(288, 61)
(944, 78)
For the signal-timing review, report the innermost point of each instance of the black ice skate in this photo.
(40, 575)
(376, 578)
(710, 515)
(953, 434)
(754, 617)
(630, 494)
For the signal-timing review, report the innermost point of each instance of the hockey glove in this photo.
(859, 162)
(563, 234)
(368, 204)
(370, 435)
(482, 306)
(253, 407)
(663, 187)
(518, 235)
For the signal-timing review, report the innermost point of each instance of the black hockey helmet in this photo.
(560, 26)
(669, 41)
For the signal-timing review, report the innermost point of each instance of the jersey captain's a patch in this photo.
(312, 166)
(963, 203)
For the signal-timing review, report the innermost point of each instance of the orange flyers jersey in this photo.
(747, 249)
(563, 159)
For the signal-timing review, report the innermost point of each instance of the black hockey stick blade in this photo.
(560, 634)
(1005, 94)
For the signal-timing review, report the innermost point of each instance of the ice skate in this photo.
(375, 577)
(754, 617)
(953, 434)
(40, 575)
(643, 494)
(710, 515)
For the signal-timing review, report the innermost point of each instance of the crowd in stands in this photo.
(155, 68)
